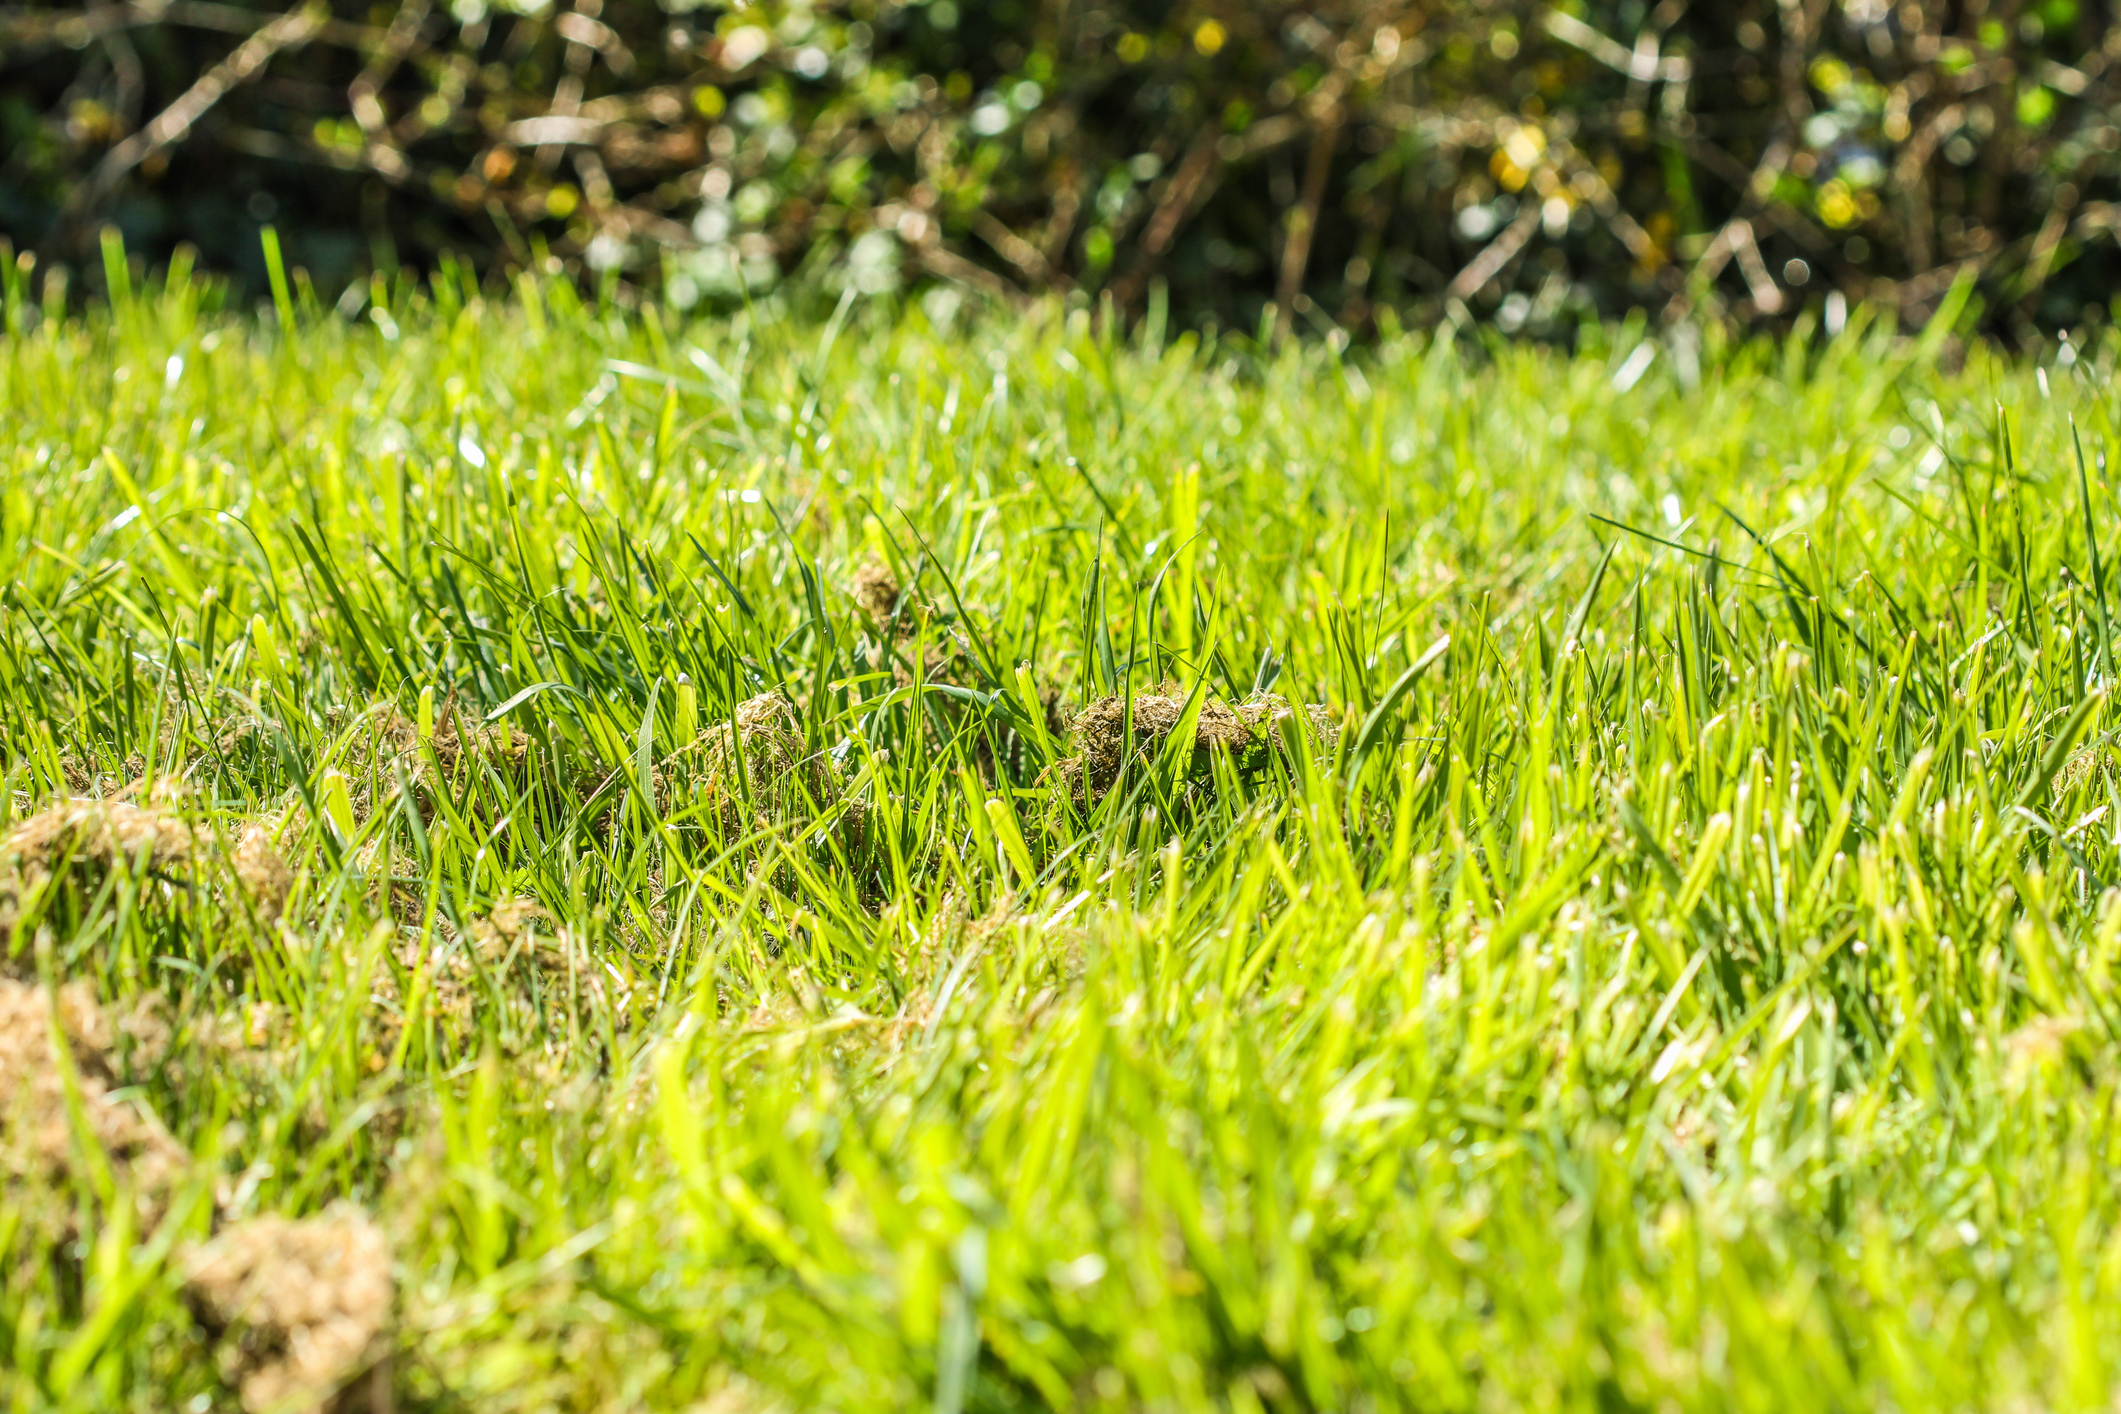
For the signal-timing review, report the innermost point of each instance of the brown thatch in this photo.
(264, 875)
(98, 833)
(88, 839)
(457, 744)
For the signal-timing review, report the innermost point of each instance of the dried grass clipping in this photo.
(90, 837)
(1277, 714)
(2089, 762)
(38, 1139)
(516, 958)
(1244, 732)
(453, 741)
(300, 1304)
(264, 875)
(457, 742)
(96, 833)
(876, 590)
(756, 771)
(904, 616)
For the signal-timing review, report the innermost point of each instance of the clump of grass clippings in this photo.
(59, 1118)
(298, 1306)
(912, 639)
(2090, 763)
(390, 745)
(261, 871)
(81, 842)
(98, 835)
(1116, 730)
(1284, 722)
(511, 976)
(876, 590)
(755, 770)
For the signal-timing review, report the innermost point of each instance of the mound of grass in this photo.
(567, 859)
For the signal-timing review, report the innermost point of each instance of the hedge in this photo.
(1274, 166)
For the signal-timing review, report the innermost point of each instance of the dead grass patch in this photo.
(876, 590)
(83, 777)
(265, 876)
(439, 760)
(915, 642)
(100, 833)
(2091, 762)
(515, 957)
(88, 839)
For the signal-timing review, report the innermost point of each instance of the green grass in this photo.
(1692, 989)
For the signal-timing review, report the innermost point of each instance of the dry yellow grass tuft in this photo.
(39, 1140)
(1277, 714)
(300, 1304)
(83, 778)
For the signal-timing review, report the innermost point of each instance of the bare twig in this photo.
(937, 260)
(1189, 185)
(1495, 255)
(1015, 249)
(169, 126)
(1303, 222)
(1182, 194)
(1641, 63)
(398, 40)
(22, 27)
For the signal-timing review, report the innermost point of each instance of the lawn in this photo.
(558, 857)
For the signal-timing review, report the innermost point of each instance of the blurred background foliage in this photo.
(1322, 168)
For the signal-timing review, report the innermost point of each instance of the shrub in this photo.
(1341, 165)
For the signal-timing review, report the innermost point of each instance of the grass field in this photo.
(560, 859)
